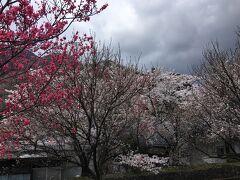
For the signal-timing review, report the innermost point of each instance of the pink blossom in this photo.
(26, 122)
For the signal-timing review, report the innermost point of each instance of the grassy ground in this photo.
(170, 170)
(83, 178)
(200, 167)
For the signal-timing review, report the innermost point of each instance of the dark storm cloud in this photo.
(169, 33)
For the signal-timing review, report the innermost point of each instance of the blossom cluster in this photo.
(144, 162)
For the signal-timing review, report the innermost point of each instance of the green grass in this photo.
(117, 175)
(199, 167)
(172, 169)
(83, 178)
(129, 174)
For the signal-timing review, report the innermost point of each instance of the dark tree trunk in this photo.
(98, 166)
(87, 172)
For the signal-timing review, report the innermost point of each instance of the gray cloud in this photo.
(170, 33)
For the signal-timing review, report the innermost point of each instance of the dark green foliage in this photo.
(224, 171)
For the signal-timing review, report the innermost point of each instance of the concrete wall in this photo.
(56, 173)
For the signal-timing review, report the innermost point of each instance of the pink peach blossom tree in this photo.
(36, 28)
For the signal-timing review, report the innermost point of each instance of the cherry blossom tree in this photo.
(83, 113)
(33, 29)
(34, 24)
(163, 113)
(219, 100)
(29, 27)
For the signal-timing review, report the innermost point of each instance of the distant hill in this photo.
(26, 58)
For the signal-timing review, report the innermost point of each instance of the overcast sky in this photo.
(168, 33)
